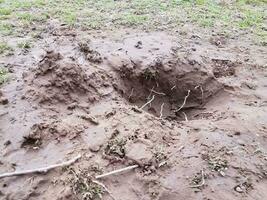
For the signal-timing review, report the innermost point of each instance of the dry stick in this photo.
(185, 117)
(161, 109)
(117, 171)
(40, 170)
(148, 102)
(188, 93)
(202, 182)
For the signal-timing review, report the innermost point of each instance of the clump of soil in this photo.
(90, 54)
(57, 81)
(32, 141)
(43, 132)
(224, 68)
(116, 147)
(3, 100)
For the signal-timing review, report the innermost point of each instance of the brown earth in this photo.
(202, 136)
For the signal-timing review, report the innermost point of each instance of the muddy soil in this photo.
(190, 114)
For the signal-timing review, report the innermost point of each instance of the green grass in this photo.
(5, 48)
(3, 75)
(24, 45)
(5, 11)
(144, 14)
(6, 29)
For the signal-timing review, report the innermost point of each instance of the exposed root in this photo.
(41, 170)
(161, 110)
(148, 97)
(202, 92)
(159, 93)
(185, 98)
(131, 93)
(185, 117)
(148, 102)
(117, 171)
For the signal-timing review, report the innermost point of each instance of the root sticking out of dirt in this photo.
(168, 87)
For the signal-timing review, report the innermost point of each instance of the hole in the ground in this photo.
(169, 90)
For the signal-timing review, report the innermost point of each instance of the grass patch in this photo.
(24, 45)
(5, 11)
(250, 18)
(5, 48)
(6, 29)
(145, 14)
(4, 75)
(133, 19)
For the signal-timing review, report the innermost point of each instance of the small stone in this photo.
(8, 142)
(3, 101)
(239, 189)
(222, 173)
(94, 148)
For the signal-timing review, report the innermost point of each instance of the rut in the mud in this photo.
(169, 88)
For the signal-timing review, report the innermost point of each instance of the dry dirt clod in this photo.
(91, 55)
(90, 119)
(32, 141)
(116, 147)
(3, 100)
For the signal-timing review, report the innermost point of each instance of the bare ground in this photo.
(203, 136)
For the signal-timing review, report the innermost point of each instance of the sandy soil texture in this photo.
(189, 111)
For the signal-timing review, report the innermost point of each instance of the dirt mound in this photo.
(41, 133)
(58, 81)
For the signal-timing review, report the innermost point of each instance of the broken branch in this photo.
(40, 170)
(117, 171)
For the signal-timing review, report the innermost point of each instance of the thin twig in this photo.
(148, 102)
(202, 182)
(173, 87)
(40, 170)
(185, 117)
(185, 98)
(161, 110)
(117, 171)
